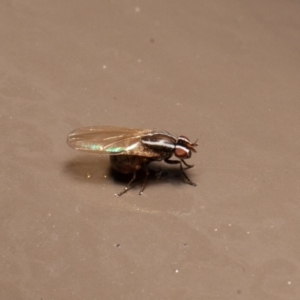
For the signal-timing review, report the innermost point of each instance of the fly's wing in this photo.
(110, 140)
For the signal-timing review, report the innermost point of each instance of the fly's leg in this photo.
(145, 180)
(187, 165)
(127, 187)
(158, 173)
(175, 162)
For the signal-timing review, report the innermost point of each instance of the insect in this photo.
(131, 150)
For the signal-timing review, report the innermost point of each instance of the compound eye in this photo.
(182, 152)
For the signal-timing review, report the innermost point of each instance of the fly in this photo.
(131, 150)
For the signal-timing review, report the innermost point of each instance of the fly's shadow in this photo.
(146, 176)
(97, 169)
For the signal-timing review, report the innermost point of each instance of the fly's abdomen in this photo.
(127, 164)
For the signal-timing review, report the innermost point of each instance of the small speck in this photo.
(139, 60)
(216, 229)
(104, 67)
(88, 176)
(118, 245)
(176, 271)
(289, 282)
(105, 176)
(49, 215)
(248, 232)
(229, 225)
(137, 9)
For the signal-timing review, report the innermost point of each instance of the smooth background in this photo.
(225, 72)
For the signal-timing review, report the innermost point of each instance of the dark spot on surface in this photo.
(152, 40)
(239, 292)
(118, 245)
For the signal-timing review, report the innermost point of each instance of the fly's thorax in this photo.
(162, 143)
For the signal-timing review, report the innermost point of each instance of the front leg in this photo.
(187, 165)
(175, 162)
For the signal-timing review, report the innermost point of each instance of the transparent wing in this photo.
(110, 140)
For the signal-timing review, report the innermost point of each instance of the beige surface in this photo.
(226, 72)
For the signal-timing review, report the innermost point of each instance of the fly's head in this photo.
(184, 147)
